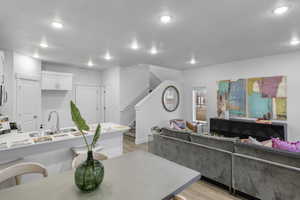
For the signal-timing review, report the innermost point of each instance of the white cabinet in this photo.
(56, 81)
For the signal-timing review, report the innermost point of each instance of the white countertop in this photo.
(9, 141)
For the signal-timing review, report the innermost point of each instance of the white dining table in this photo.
(134, 176)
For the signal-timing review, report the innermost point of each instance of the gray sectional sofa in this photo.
(259, 171)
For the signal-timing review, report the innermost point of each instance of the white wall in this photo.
(134, 85)
(60, 100)
(133, 82)
(26, 65)
(150, 112)
(164, 73)
(111, 81)
(16, 63)
(284, 64)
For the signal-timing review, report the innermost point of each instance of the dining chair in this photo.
(179, 197)
(17, 170)
(80, 158)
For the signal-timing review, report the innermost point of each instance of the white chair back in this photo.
(17, 170)
(179, 197)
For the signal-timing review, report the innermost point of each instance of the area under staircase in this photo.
(128, 114)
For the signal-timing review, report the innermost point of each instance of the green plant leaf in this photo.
(96, 135)
(77, 119)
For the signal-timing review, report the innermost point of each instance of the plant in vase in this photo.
(89, 174)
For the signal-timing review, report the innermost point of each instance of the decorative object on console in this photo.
(266, 98)
(263, 121)
(170, 98)
(89, 175)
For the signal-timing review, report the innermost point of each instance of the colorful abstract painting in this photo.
(237, 98)
(267, 98)
(264, 97)
(223, 95)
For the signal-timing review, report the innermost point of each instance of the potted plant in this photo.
(89, 174)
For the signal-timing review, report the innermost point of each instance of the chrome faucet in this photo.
(57, 120)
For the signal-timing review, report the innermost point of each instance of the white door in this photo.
(28, 104)
(89, 101)
(110, 105)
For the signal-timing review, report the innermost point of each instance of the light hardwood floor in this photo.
(202, 190)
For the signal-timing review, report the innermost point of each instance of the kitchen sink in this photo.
(67, 130)
(48, 132)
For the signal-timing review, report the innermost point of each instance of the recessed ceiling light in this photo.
(36, 55)
(57, 25)
(90, 63)
(295, 42)
(193, 61)
(165, 19)
(153, 50)
(107, 56)
(134, 45)
(44, 44)
(280, 10)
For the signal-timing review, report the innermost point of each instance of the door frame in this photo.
(101, 95)
(19, 77)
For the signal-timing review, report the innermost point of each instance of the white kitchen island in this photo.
(56, 153)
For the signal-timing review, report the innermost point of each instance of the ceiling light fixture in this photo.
(36, 55)
(134, 45)
(90, 63)
(193, 61)
(57, 25)
(295, 42)
(165, 19)
(153, 50)
(44, 44)
(107, 56)
(280, 10)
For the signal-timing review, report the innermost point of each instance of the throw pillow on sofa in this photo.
(284, 145)
(180, 134)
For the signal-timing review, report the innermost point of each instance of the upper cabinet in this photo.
(56, 81)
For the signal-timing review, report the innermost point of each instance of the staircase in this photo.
(128, 114)
(131, 131)
(129, 111)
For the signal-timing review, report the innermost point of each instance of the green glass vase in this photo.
(89, 174)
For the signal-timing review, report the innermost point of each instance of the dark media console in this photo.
(245, 128)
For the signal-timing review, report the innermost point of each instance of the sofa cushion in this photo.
(270, 154)
(214, 141)
(205, 160)
(285, 145)
(180, 134)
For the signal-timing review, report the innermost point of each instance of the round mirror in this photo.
(170, 98)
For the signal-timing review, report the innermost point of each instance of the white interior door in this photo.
(89, 101)
(28, 104)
